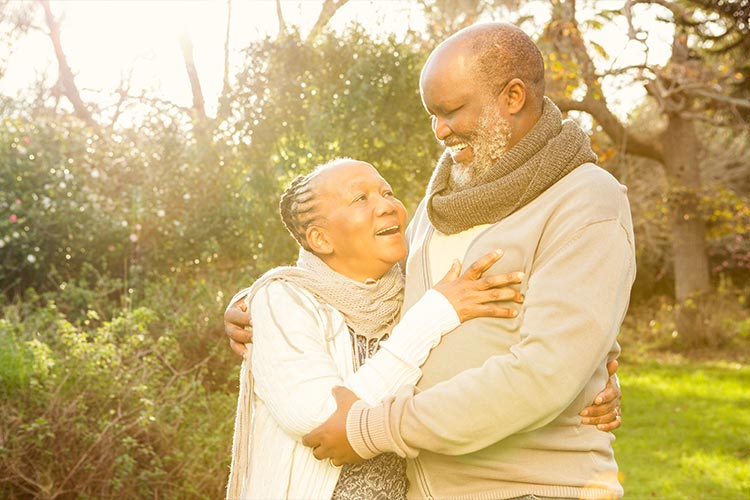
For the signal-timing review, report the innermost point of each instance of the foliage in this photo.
(728, 215)
(123, 407)
(52, 221)
(16, 19)
(150, 200)
(119, 248)
(651, 324)
(724, 40)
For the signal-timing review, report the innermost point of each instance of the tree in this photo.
(199, 105)
(688, 90)
(297, 104)
(66, 80)
(15, 22)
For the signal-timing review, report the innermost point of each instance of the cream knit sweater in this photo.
(294, 378)
(497, 416)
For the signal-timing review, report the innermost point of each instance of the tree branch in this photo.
(67, 80)
(732, 101)
(326, 13)
(224, 97)
(280, 18)
(682, 15)
(199, 106)
(628, 142)
(594, 102)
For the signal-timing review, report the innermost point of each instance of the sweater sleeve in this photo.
(574, 307)
(295, 370)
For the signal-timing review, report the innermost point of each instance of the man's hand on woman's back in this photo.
(238, 325)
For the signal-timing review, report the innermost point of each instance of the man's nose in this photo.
(440, 128)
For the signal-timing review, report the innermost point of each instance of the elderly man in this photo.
(497, 416)
(496, 412)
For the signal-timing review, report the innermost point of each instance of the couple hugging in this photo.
(465, 368)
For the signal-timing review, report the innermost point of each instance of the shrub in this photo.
(114, 410)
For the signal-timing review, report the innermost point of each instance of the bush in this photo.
(120, 407)
(651, 325)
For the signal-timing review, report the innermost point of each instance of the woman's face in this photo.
(362, 221)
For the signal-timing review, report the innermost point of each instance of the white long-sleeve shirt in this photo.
(302, 350)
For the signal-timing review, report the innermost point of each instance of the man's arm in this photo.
(574, 307)
(238, 325)
(330, 440)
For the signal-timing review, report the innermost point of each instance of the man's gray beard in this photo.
(490, 144)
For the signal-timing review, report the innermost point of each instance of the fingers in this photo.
(238, 334)
(236, 316)
(500, 280)
(502, 294)
(611, 392)
(311, 439)
(610, 426)
(605, 412)
(612, 367)
(481, 265)
(606, 422)
(238, 325)
(238, 348)
(490, 310)
(343, 396)
(453, 273)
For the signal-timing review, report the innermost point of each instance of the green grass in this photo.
(686, 430)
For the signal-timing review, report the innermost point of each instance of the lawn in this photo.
(686, 430)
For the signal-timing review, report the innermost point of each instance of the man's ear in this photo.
(515, 96)
(318, 240)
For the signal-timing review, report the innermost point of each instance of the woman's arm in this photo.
(295, 371)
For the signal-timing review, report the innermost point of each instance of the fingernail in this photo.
(584, 413)
(520, 276)
(598, 401)
(499, 251)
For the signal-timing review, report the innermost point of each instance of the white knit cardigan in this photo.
(294, 373)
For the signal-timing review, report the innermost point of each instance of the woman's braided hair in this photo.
(298, 207)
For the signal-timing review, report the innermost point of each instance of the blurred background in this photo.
(143, 149)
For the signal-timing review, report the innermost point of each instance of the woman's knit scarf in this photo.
(369, 309)
(551, 150)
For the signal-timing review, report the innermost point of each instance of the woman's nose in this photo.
(386, 204)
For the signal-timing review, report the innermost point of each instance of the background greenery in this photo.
(122, 241)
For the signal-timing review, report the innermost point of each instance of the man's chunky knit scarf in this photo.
(369, 309)
(551, 150)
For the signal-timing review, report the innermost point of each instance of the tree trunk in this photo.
(692, 283)
(67, 80)
(199, 106)
(224, 104)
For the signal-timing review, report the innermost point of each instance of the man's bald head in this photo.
(498, 52)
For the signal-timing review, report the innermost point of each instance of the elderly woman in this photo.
(334, 320)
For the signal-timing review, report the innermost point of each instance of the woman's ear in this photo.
(515, 95)
(318, 241)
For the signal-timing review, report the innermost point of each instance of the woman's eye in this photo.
(361, 197)
(388, 194)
